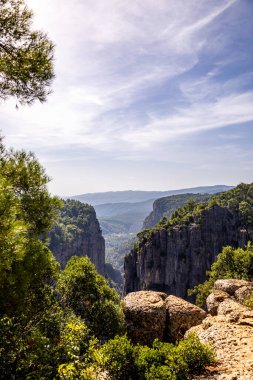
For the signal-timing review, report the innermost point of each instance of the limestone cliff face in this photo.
(77, 232)
(174, 259)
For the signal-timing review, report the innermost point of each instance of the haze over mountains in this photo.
(133, 196)
(125, 211)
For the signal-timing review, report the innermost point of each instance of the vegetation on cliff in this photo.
(165, 207)
(238, 200)
(77, 232)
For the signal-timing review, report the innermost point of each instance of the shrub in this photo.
(230, 263)
(88, 294)
(117, 358)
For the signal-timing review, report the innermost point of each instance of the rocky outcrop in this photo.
(167, 205)
(181, 315)
(150, 315)
(77, 232)
(214, 299)
(232, 286)
(176, 258)
(230, 332)
(145, 316)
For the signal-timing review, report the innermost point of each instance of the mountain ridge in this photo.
(132, 196)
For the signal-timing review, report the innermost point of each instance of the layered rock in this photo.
(77, 232)
(150, 315)
(230, 332)
(176, 258)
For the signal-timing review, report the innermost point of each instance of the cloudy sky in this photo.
(151, 95)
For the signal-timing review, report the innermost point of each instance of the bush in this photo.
(162, 361)
(88, 294)
(230, 263)
(117, 358)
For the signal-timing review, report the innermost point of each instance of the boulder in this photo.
(145, 316)
(243, 293)
(231, 285)
(214, 299)
(181, 315)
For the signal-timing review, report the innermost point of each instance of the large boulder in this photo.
(145, 315)
(181, 315)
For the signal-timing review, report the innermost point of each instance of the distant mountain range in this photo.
(132, 196)
(125, 211)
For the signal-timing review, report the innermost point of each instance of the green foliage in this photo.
(26, 56)
(87, 293)
(27, 210)
(124, 361)
(72, 226)
(249, 301)
(117, 358)
(46, 344)
(166, 206)
(238, 200)
(230, 263)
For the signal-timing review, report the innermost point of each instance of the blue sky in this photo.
(151, 95)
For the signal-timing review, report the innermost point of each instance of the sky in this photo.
(148, 95)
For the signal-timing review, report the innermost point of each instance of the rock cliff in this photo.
(175, 256)
(167, 205)
(77, 232)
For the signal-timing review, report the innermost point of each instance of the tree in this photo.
(87, 293)
(26, 56)
(27, 210)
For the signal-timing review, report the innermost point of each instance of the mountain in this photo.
(133, 196)
(77, 232)
(175, 255)
(122, 217)
(167, 205)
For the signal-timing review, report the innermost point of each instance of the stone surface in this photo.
(176, 259)
(145, 315)
(231, 285)
(230, 333)
(214, 299)
(243, 293)
(181, 315)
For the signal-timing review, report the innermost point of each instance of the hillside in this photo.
(167, 205)
(77, 232)
(133, 196)
(122, 217)
(175, 255)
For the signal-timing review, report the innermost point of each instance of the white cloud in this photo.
(111, 58)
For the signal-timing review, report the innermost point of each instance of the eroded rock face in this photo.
(151, 315)
(231, 285)
(177, 258)
(214, 299)
(181, 316)
(230, 333)
(145, 315)
(77, 232)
